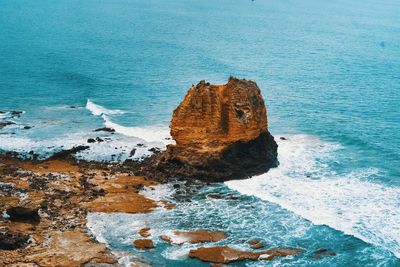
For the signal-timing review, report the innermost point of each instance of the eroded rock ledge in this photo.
(221, 133)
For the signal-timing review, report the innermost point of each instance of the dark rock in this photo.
(66, 153)
(91, 140)
(283, 138)
(154, 149)
(6, 123)
(105, 129)
(12, 241)
(132, 153)
(323, 252)
(27, 127)
(72, 106)
(23, 214)
(140, 145)
(16, 113)
(98, 139)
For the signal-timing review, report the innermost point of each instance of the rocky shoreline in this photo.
(221, 133)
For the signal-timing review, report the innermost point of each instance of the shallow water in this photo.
(329, 73)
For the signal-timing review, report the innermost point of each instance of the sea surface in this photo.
(329, 72)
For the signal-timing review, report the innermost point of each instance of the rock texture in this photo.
(221, 132)
(226, 254)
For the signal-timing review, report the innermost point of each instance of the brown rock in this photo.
(193, 237)
(143, 244)
(71, 248)
(221, 133)
(144, 232)
(225, 254)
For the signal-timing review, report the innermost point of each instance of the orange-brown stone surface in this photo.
(221, 132)
(226, 254)
(143, 244)
(193, 237)
(212, 117)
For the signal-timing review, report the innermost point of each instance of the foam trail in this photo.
(305, 185)
(98, 110)
(147, 133)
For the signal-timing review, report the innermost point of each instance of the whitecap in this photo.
(307, 186)
(154, 133)
(98, 110)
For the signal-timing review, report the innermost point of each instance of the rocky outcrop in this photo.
(221, 132)
(226, 254)
(194, 237)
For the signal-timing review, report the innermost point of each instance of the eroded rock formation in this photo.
(221, 132)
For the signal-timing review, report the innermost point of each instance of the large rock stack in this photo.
(221, 133)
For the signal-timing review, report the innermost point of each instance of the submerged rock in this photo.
(221, 133)
(323, 252)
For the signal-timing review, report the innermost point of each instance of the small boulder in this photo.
(105, 129)
(23, 214)
(143, 244)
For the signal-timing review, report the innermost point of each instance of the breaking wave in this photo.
(155, 133)
(98, 110)
(306, 185)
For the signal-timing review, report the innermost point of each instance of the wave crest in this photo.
(98, 110)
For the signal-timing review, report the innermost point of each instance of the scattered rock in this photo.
(72, 106)
(283, 138)
(105, 129)
(167, 204)
(143, 244)
(23, 214)
(12, 241)
(27, 127)
(256, 243)
(144, 232)
(154, 149)
(6, 123)
(132, 153)
(16, 113)
(193, 237)
(91, 140)
(140, 145)
(65, 153)
(98, 139)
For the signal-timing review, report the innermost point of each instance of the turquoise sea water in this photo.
(330, 76)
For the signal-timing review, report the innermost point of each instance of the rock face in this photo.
(221, 133)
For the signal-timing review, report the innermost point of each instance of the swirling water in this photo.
(330, 75)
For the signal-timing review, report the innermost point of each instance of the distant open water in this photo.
(330, 75)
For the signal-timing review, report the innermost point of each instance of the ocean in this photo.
(329, 72)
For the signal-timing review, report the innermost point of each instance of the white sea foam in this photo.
(115, 148)
(305, 185)
(98, 110)
(155, 133)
